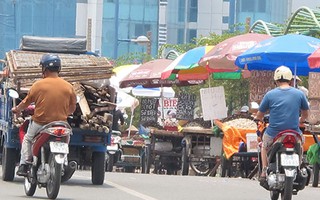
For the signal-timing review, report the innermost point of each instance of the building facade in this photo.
(109, 25)
(51, 18)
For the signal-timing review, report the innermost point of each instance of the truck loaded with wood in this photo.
(91, 122)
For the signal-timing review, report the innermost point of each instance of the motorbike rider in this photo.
(285, 103)
(54, 99)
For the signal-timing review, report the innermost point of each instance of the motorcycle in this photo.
(114, 150)
(285, 174)
(50, 149)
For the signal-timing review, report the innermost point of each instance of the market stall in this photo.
(240, 146)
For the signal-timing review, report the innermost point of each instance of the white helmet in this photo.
(282, 73)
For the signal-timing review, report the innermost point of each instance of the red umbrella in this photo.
(221, 57)
(314, 59)
(149, 75)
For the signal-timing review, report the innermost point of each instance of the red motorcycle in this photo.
(50, 149)
(285, 174)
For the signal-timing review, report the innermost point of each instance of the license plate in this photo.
(290, 160)
(113, 147)
(59, 147)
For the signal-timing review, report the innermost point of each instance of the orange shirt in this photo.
(52, 98)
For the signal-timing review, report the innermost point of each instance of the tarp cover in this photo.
(53, 44)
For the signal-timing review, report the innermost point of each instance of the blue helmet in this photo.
(50, 62)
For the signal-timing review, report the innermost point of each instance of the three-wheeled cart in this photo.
(163, 152)
(132, 152)
(201, 151)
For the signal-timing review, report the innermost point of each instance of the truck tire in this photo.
(8, 163)
(98, 168)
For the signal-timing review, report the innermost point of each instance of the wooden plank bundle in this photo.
(24, 67)
(84, 72)
(95, 107)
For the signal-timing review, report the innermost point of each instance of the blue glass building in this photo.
(128, 19)
(54, 18)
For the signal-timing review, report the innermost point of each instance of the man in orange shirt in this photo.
(54, 99)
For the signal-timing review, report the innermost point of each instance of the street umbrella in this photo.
(291, 50)
(119, 73)
(241, 73)
(314, 59)
(185, 67)
(149, 75)
(221, 57)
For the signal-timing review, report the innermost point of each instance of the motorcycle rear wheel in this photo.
(110, 162)
(30, 184)
(54, 182)
(184, 162)
(286, 194)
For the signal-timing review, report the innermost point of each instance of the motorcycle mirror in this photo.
(13, 94)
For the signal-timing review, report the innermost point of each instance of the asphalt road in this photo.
(135, 186)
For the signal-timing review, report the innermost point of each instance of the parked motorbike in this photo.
(50, 149)
(114, 150)
(285, 174)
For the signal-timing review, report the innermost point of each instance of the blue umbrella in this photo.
(290, 50)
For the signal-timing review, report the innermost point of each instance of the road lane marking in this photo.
(125, 189)
(130, 191)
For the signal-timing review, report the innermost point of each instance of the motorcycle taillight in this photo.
(289, 141)
(59, 131)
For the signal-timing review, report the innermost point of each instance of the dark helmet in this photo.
(50, 62)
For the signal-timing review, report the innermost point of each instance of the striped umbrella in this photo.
(185, 67)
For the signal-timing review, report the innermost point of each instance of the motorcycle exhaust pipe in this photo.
(73, 164)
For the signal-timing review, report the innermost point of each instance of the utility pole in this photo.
(149, 34)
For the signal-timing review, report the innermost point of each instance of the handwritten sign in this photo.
(314, 96)
(260, 83)
(314, 84)
(149, 109)
(213, 103)
(185, 106)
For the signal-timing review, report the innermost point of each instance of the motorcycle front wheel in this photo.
(274, 195)
(54, 182)
(286, 194)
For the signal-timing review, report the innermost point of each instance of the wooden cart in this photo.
(201, 151)
(163, 152)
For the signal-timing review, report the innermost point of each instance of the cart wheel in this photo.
(202, 167)
(225, 166)
(143, 161)
(184, 162)
(147, 159)
(315, 180)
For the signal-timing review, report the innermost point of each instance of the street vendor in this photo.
(299, 86)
